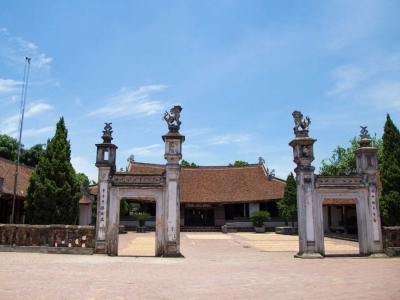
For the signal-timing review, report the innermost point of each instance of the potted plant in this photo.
(258, 218)
(141, 217)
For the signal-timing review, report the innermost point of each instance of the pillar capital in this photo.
(173, 147)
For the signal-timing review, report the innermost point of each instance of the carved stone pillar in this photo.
(171, 214)
(303, 154)
(367, 166)
(105, 161)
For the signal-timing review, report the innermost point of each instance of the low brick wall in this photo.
(47, 235)
(391, 240)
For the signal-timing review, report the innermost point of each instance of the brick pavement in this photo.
(233, 266)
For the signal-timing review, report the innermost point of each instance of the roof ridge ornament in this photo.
(107, 132)
(172, 117)
(300, 122)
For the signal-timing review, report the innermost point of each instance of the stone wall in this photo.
(47, 235)
(391, 240)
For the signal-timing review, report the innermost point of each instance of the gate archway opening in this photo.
(340, 222)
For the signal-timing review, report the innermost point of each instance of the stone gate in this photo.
(313, 189)
(163, 187)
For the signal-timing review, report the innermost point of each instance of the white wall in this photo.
(85, 213)
(254, 207)
(325, 216)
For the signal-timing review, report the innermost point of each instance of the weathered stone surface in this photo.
(259, 229)
(391, 236)
(391, 240)
(286, 230)
(47, 235)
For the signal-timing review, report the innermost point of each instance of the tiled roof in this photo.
(7, 171)
(93, 190)
(85, 200)
(221, 184)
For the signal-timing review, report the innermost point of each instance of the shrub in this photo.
(259, 217)
(141, 217)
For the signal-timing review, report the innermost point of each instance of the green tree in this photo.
(54, 191)
(83, 182)
(123, 207)
(31, 156)
(344, 158)
(185, 163)
(288, 205)
(8, 147)
(389, 199)
(239, 163)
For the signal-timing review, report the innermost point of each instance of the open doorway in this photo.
(340, 227)
(137, 227)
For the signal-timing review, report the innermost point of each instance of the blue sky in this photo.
(238, 68)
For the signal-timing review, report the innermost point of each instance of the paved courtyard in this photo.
(233, 266)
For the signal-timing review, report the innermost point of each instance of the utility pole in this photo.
(21, 123)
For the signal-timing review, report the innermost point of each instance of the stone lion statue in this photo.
(173, 116)
(299, 121)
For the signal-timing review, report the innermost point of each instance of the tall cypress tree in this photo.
(54, 191)
(389, 199)
(288, 205)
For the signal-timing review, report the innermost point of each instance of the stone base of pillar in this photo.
(100, 248)
(174, 255)
(171, 250)
(308, 255)
(378, 255)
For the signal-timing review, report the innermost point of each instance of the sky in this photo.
(238, 69)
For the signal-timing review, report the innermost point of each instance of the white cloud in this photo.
(128, 102)
(9, 85)
(196, 131)
(231, 138)
(36, 132)
(384, 95)
(82, 165)
(16, 49)
(351, 22)
(156, 150)
(10, 125)
(347, 77)
(374, 80)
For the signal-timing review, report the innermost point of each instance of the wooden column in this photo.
(329, 217)
(344, 218)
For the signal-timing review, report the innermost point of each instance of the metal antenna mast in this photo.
(21, 123)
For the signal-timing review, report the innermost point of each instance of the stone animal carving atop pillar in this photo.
(300, 122)
(172, 117)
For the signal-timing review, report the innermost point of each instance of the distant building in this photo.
(214, 196)
(7, 179)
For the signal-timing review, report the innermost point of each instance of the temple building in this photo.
(217, 195)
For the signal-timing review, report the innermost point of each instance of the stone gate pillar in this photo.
(173, 154)
(367, 167)
(105, 161)
(303, 154)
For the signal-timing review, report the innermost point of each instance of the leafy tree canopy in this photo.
(31, 156)
(344, 158)
(239, 163)
(54, 190)
(389, 200)
(288, 205)
(8, 147)
(185, 163)
(9, 150)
